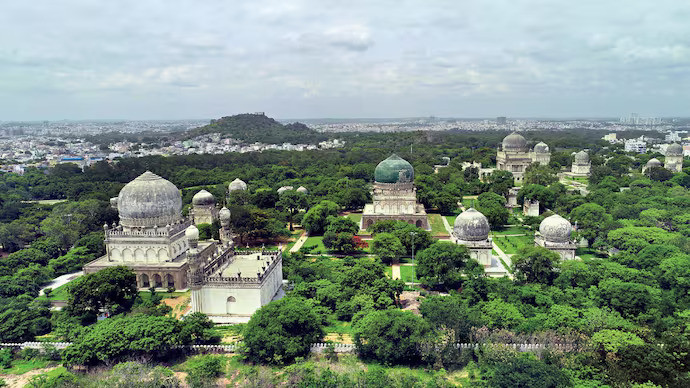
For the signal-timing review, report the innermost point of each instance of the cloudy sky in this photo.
(166, 59)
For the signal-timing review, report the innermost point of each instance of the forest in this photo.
(619, 316)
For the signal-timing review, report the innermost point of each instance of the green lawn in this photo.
(437, 227)
(356, 217)
(315, 241)
(389, 271)
(408, 274)
(19, 367)
(59, 293)
(510, 245)
(339, 327)
(513, 230)
(587, 253)
(451, 219)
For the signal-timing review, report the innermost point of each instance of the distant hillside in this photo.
(250, 127)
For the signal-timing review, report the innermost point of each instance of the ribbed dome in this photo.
(224, 215)
(514, 142)
(203, 198)
(148, 201)
(394, 169)
(555, 229)
(302, 189)
(653, 162)
(674, 149)
(541, 148)
(237, 184)
(582, 157)
(471, 225)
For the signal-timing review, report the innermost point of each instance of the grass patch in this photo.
(437, 226)
(451, 219)
(317, 243)
(408, 274)
(229, 334)
(356, 217)
(510, 245)
(146, 295)
(19, 367)
(515, 229)
(389, 271)
(59, 293)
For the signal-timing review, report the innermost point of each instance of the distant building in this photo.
(501, 120)
(395, 195)
(674, 157)
(611, 137)
(515, 156)
(636, 145)
(581, 165)
(204, 210)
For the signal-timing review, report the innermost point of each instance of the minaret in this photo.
(225, 231)
(195, 271)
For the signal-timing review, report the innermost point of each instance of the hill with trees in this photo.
(257, 127)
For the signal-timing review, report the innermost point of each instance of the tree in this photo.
(536, 265)
(387, 247)
(291, 201)
(593, 222)
(265, 198)
(658, 174)
(342, 225)
(539, 175)
(545, 196)
(526, 371)
(282, 330)
(123, 337)
(341, 242)
(316, 219)
(493, 207)
(112, 289)
(442, 265)
(446, 203)
(391, 336)
(500, 182)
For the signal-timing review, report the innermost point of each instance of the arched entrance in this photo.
(229, 304)
(157, 281)
(144, 279)
(418, 223)
(169, 281)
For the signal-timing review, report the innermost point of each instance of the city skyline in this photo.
(308, 59)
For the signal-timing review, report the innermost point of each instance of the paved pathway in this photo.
(61, 280)
(447, 225)
(300, 241)
(502, 255)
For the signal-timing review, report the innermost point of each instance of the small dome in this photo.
(394, 169)
(148, 201)
(653, 162)
(237, 184)
(582, 157)
(203, 198)
(514, 142)
(192, 233)
(555, 229)
(284, 188)
(674, 149)
(541, 148)
(302, 189)
(224, 214)
(471, 225)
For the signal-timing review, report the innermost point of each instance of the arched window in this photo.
(157, 281)
(169, 280)
(418, 223)
(144, 278)
(230, 305)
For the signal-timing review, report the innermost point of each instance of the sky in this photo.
(186, 59)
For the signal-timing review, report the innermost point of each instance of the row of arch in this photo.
(140, 255)
(156, 280)
(369, 222)
(386, 209)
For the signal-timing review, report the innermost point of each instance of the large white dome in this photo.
(148, 201)
(514, 142)
(471, 225)
(555, 229)
(674, 149)
(237, 184)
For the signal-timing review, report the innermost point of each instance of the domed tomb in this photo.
(541, 148)
(237, 184)
(394, 169)
(653, 162)
(582, 157)
(674, 149)
(514, 142)
(555, 229)
(149, 201)
(471, 225)
(302, 189)
(203, 198)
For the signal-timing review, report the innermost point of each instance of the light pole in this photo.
(413, 234)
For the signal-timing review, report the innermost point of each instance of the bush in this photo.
(203, 371)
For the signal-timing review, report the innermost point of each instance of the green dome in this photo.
(394, 170)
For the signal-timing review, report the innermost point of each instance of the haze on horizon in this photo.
(78, 59)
